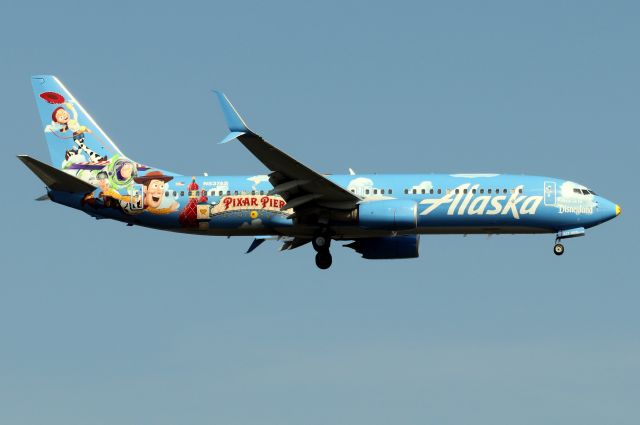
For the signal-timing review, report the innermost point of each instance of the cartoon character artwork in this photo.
(64, 120)
(131, 203)
(107, 197)
(122, 172)
(153, 185)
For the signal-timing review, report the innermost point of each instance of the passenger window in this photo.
(253, 192)
(228, 192)
(424, 191)
(175, 193)
(366, 191)
(457, 191)
(473, 191)
(430, 191)
(520, 190)
(465, 191)
(504, 191)
(166, 194)
(375, 191)
(382, 191)
(406, 191)
(182, 193)
(439, 191)
(415, 191)
(262, 192)
(489, 191)
(481, 191)
(390, 191)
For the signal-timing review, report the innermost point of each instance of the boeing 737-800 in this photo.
(382, 216)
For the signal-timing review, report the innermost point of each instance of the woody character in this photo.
(154, 184)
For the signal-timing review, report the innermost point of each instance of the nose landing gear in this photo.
(558, 248)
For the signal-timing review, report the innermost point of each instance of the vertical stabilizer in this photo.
(72, 134)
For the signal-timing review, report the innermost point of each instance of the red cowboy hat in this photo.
(152, 175)
(52, 97)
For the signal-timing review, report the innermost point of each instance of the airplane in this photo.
(380, 216)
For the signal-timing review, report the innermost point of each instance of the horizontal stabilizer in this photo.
(54, 178)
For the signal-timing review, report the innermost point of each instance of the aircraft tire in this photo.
(323, 259)
(558, 249)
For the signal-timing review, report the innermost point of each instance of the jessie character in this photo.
(61, 122)
(154, 184)
(61, 117)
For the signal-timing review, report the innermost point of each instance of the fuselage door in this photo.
(550, 193)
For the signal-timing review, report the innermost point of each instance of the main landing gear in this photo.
(321, 244)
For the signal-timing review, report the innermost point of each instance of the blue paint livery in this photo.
(382, 214)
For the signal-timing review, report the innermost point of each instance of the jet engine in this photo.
(392, 247)
(392, 214)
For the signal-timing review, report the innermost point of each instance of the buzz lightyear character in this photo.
(121, 172)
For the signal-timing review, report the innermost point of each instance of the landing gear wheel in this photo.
(320, 242)
(558, 249)
(323, 259)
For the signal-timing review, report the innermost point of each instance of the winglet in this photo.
(236, 124)
(231, 136)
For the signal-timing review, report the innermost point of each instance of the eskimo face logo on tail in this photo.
(471, 203)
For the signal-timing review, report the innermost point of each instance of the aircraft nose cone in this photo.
(606, 210)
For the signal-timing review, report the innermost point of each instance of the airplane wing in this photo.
(303, 189)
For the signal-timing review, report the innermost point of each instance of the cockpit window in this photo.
(584, 191)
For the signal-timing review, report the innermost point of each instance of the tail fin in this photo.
(72, 135)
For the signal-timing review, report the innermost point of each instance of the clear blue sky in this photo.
(106, 324)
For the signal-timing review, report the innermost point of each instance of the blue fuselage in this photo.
(457, 203)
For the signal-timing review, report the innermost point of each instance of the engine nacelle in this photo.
(405, 246)
(391, 214)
